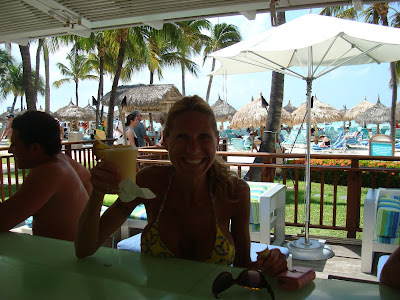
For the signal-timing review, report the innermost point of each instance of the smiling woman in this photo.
(201, 209)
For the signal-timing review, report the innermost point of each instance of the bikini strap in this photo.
(165, 196)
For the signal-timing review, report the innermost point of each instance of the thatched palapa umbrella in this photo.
(71, 112)
(90, 113)
(146, 98)
(250, 115)
(254, 115)
(377, 114)
(290, 108)
(320, 113)
(223, 111)
(357, 110)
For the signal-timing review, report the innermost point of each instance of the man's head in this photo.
(33, 129)
(139, 114)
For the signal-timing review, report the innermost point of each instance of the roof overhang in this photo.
(24, 20)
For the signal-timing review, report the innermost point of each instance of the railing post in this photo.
(353, 199)
(267, 173)
(68, 150)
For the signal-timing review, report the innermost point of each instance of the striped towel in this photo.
(256, 190)
(139, 213)
(388, 220)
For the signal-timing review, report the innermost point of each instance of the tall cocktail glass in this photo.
(123, 157)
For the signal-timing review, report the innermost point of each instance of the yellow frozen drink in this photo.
(123, 157)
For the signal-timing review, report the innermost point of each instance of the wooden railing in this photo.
(82, 152)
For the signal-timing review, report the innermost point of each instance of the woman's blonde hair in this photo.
(222, 179)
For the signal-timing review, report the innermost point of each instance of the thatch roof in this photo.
(254, 115)
(290, 108)
(377, 114)
(222, 110)
(90, 113)
(145, 97)
(70, 112)
(320, 113)
(353, 113)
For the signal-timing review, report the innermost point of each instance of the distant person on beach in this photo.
(8, 130)
(390, 274)
(119, 132)
(140, 131)
(325, 141)
(56, 189)
(201, 209)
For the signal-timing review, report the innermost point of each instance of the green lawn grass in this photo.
(314, 208)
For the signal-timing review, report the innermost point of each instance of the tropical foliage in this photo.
(342, 167)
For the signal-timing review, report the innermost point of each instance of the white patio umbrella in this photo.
(318, 45)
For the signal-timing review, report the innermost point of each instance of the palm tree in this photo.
(375, 13)
(121, 38)
(27, 77)
(188, 42)
(222, 35)
(13, 83)
(79, 70)
(5, 62)
(275, 110)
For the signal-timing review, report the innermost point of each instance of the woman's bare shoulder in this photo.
(241, 191)
(151, 175)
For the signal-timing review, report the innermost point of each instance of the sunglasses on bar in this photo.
(250, 279)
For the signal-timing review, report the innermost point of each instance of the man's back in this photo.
(140, 131)
(53, 194)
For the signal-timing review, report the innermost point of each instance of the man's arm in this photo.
(143, 132)
(39, 186)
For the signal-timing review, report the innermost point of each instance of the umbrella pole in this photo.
(306, 248)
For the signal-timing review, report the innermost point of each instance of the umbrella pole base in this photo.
(314, 250)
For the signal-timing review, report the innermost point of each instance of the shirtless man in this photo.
(56, 189)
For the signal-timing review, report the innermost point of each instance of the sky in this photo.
(345, 86)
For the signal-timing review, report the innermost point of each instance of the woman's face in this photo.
(192, 144)
(134, 122)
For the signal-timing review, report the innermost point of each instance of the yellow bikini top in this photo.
(223, 252)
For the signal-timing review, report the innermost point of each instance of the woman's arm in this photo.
(390, 274)
(93, 230)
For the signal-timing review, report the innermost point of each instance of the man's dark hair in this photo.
(39, 127)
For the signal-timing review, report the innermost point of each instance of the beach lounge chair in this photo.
(238, 144)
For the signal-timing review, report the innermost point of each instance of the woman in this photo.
(201, 210)
(325, 141)
(132, 121)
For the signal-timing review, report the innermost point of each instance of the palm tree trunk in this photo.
(210, 81)
(99, 92)
(76, 91)
(183, 80)
(394, 101)
(35, 87)
(274, 115)
(47, 75)
(27, 77)
(14, 102)
(151, 77)
(120, 60)
(382, 10)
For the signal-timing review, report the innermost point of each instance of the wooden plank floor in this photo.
(345, 263)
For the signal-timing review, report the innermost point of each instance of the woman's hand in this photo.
(105, 178)
(274, 264)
